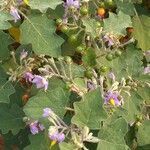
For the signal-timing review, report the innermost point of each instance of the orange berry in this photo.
(129, 29)
(101, 11)
(25, 98)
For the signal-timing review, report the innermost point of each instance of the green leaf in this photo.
(125, 6)
(144, 93)
(4, 42)
(117, 24)
(90, 25)
(89, 59)
(67, 146)
(89, 112)
(39, 142)
(40, 32)
(112, 135)
(56, 99)
(4, 17)
(6, 88)
(141, 25)
(11, 119)
(128, 64)
(44, 4)
(131, 107)
(71, 70)
(143, 134)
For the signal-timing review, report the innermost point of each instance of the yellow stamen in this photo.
(26, 2)
(52, 144)
(112, 101)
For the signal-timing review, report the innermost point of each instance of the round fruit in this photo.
(80, 48)
(98, 24)
(68, 59)
(64, 28)
(103, 69)
(101, 11)
(72, 39)
(25, 98)
(110, 3)
(84, 11)
(130, 30)
(58, 21)
(102, 4)
(109, 57)
(88, 73)
(118, 53)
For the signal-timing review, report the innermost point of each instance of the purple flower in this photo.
(14, 13)
(53, 136)
(47, 112)
(28, 76)
(40, 82)
(34, 127)
(23, 54)
(59, 137)
(107, 39)
(112, 98)
(74, 3)
(147, 70)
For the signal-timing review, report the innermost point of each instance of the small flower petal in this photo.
(47, 112)
(28, 76)
(34, 128)
(40, 82)
(14, 13)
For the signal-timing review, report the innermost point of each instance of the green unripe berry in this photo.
(64, 28)
(68, 59)
(72, 39)
(109, 57)
(58, 21)
(83, 10)
(80, 48)
(102, 4)
(88, 74)
(103, 69)
(118, 53)
(110, 3)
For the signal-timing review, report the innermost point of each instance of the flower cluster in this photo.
(38, 80)
(53, 133)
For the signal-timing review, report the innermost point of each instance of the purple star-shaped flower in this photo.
(53, 136)
(112, 96)
(59, 137)
(28, 76)
(15, 14)
(107, 39)
(47, 112)
(34, 127)
(40, 82)
(74, 3)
